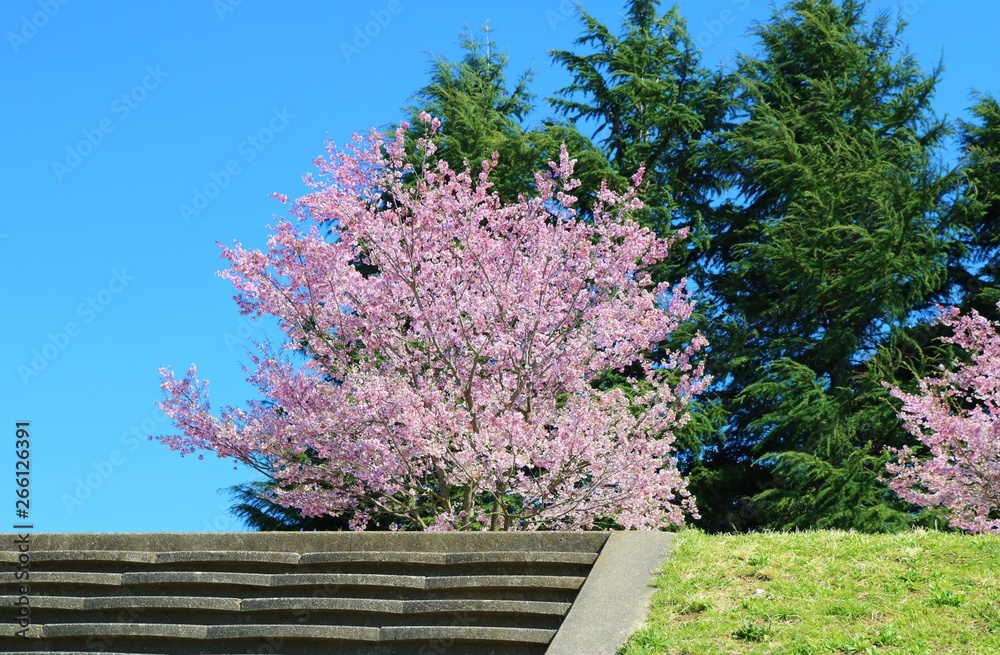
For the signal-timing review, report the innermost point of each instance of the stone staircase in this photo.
(298, 593)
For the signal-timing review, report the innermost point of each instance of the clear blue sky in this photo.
(107, 281)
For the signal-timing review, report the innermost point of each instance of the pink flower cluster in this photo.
(451, 389)
(956, 416)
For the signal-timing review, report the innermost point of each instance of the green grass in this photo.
(819, 592)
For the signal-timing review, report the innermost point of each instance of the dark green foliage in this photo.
(828, 477)
(833, 240)
(975, 266)
(651, 104)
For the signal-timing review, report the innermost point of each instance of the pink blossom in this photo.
(452, 388)
(956, 417)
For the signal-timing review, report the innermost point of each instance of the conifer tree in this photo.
(651, 104)
(834, 240)
(975, 266)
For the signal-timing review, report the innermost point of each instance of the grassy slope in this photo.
(826, 592)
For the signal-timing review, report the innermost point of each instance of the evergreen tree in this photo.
(481, 114)
(651, 104)
(834, 242)
(975, 266)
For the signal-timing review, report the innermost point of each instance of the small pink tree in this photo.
(956, 416)
(452, 387)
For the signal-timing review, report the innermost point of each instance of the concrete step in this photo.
(233, 556)
(364, 605)
(342, 611)
(142, 583)
(298, 593)
(348, 562)
(261, 631)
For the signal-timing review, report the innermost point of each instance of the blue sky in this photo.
(116, 117)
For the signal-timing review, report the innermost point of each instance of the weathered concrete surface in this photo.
(318, 542)
(614, 600)
(325, 593)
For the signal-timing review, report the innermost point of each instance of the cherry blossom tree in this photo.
(452, 343)
(956, 416)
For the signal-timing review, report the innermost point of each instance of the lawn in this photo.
(826, 592)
